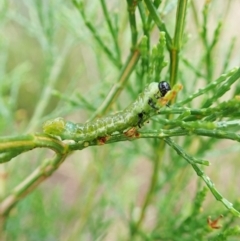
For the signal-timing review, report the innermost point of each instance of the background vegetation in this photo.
(62, 58)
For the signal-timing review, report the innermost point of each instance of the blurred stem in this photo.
(228, 54)
(160, 24)
(132, 20)
(30, 142)
(209, 45)
(204, 34)
(194, 69)
(195, 13)
(177, 40)
(112, 31)
(146, 26)
(3, 179)
(25, 143)
(89, 202)
(98, 38)
(29, 184)
(117, 88)
(205, 178)
(154, 180)
(230, 77)
(50, 82)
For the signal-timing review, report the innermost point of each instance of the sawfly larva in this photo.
(146, 105)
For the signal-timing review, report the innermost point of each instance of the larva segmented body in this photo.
(134, 115)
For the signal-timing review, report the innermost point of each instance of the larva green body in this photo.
(134, 115)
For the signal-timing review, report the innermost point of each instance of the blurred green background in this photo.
(51, 65)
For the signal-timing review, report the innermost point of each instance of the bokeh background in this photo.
(51, 65)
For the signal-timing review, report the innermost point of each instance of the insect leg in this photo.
(141, 119)
(152, 104)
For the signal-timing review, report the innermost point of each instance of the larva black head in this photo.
(164, 87)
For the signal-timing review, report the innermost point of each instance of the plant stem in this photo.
(177, 40)
(117, 88)
(132, 21)
(48, 88)
(30, 183)
(205, 178)
(152, 187)
(160, 24)
(96, 35)
(112, 31)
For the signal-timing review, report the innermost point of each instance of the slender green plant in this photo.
(99, 74)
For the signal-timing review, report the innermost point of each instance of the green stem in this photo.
(141, 9)
(95, 34)
(191, 160)
(177, 40)
(132, 21)
(195, 14)
(28, 142)
(205, 178)
(117, 88)
(49, 86)
(230, 77)
(160, 24)
(30, 183)
(228, 54)
(112, 30)
(151, 190)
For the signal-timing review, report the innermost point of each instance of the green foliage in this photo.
(82, 60)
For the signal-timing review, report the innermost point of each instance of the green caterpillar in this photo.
(147, 104)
